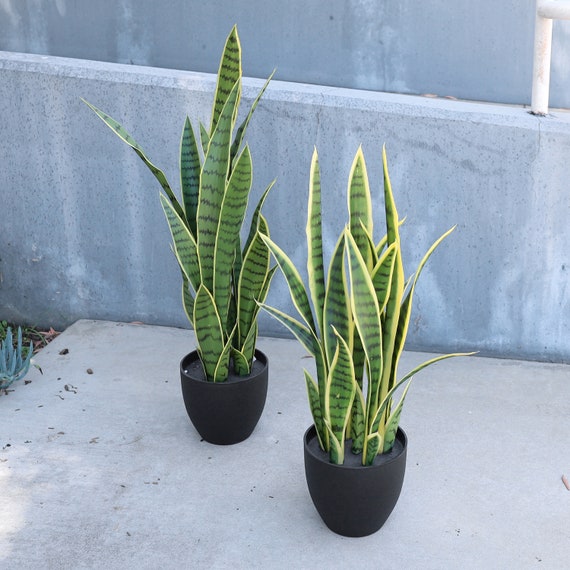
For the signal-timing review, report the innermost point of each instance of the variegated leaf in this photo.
(189, 175)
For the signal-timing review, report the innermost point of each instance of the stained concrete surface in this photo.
(104, 469)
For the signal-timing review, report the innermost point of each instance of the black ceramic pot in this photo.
(354, 500)
(224, 412)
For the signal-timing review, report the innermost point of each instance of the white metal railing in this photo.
(546, 11)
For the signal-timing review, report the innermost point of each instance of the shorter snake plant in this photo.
(222, 282)
(354, 320)
(13, 364)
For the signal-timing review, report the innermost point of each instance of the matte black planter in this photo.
(354, 500)
(224, 412)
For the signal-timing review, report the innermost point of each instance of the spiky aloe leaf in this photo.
(232, 213)
(360, 207)
(336, 306)
(295, 283)
(185, 247)
(126, 137)
(314, 232)
(13, 365)
(213, 188)
(316, 411)
(340, 390)
(189, 175)
(209, 331)
(229, 74)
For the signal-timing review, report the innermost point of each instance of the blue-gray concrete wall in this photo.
(478, 50)
(83, 235)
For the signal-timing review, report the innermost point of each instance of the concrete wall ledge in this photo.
(83, 235)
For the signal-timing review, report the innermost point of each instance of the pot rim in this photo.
(311, 432)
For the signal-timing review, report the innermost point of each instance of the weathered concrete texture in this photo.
(83, 234)
(472, 50)
(104, 470)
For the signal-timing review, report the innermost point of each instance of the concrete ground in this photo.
(101, 468)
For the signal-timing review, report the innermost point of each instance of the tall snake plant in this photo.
(222, 283)
(354, 320)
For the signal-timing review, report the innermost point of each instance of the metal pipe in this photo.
(546, 11)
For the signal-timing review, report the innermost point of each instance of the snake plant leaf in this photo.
(255, 226)
(336, 307)
(126, 137)
(393, 305)
(314, 232)
(340, 391)
(226, 241)
(406, 309)
(372, 446)
(336, 449)
(366, 314)
(393, 422)
(382, 243)
(229, 74)
(294, 282)
(252, 280)
(241, 365)
(301, 332)
(209, 332)
(189, 175)
(222, 369)
(382, 275)
(213, 188)
(185, 247)
(360, 207)
(242, 128)
(371, 249)
(316, 411)
(248, 346)
(204, 138)
(357, 420)
(187, 299)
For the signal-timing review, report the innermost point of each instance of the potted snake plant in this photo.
(224, 381)
(354, 323)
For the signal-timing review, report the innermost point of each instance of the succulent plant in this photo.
(14, 365)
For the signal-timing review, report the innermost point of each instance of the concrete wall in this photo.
(478, 50)
(83, 234)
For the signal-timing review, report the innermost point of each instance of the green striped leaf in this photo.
(126, 137)
(358, 425)
(252, 280)
(295, 283)
(185, 247)
(336, 309)
(382, 275)
(209, 332)
(187, 299)
(315, 263)
(336, 450)
(222, 370)
(189, 175)
(316, 411)
(366, 318)
(232, 213)
(406, 308)
(394, 422)
(240, 133)
(303, 334)
(340, 391)
(360, 207)
(372, 447)
(204, 138)
(241, 365)
(213, 186)
(229, 74)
